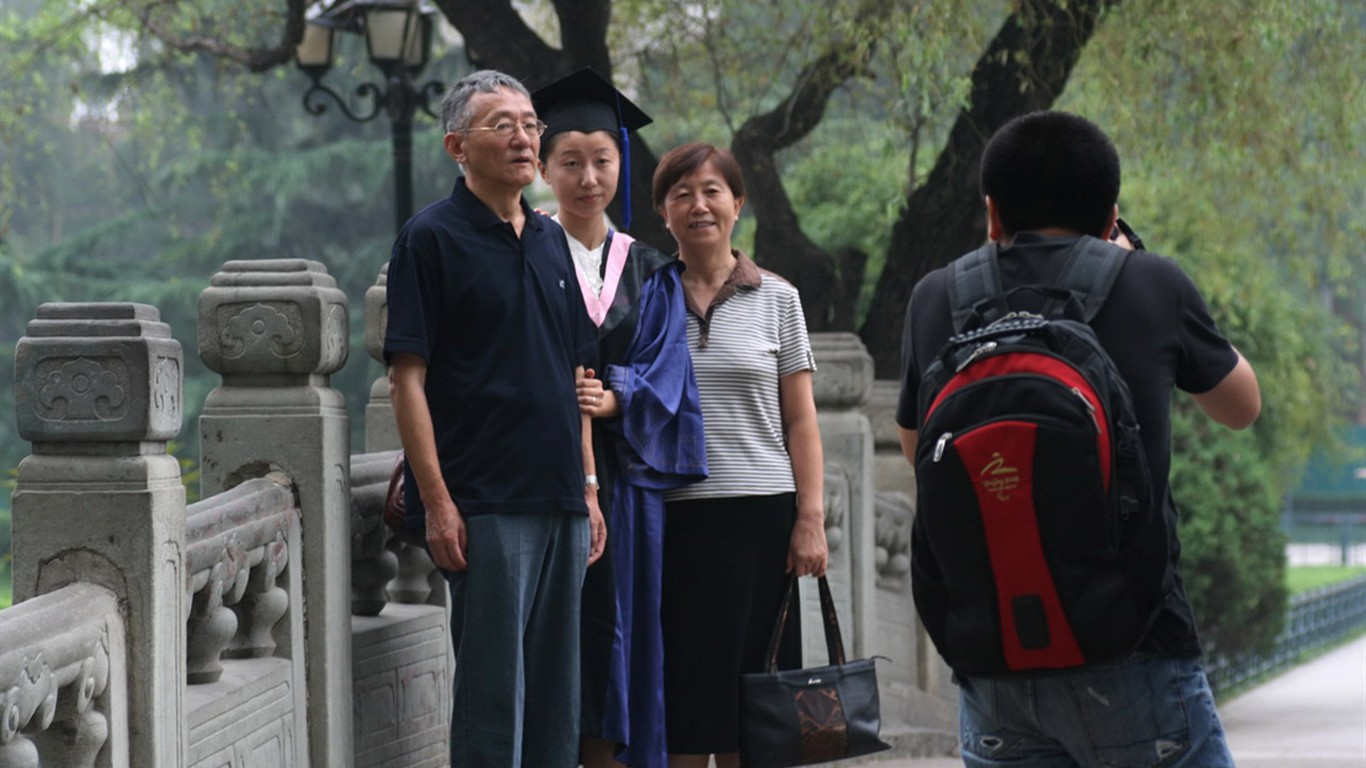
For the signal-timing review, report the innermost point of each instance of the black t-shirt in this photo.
(501, 324)
(1155, 326)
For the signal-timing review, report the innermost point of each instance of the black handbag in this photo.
(805, 716)
(409, 528)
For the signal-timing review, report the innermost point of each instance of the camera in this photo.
(1122, 228)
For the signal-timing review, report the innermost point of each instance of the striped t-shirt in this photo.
(754, 338)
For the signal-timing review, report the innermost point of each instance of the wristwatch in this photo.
(591, 480)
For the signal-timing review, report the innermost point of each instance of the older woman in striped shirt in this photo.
(732, 542)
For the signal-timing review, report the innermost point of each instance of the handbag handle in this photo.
(834, 641)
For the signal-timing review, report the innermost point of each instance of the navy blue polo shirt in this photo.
(501, 324)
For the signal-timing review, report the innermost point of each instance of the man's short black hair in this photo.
(1051, 169)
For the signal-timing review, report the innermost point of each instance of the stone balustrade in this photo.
(279, 622)
(62, 682)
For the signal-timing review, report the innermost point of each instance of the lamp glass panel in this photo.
(384, 29)
(415, 51)
(315, 50)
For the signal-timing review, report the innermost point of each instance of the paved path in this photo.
(1313, 716)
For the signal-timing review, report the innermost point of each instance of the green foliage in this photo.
(1233, 551)
(1232, 166)
(139, 183)
(841, 210)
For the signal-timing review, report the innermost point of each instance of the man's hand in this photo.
(597, 526)
(446, 537)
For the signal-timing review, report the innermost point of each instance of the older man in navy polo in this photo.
(486, 331)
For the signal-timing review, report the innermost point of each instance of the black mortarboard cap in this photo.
(586, 101)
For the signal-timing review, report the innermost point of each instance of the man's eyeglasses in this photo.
(506, 128)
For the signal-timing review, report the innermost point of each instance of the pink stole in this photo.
(616, 263)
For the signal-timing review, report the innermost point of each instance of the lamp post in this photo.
(398, 39)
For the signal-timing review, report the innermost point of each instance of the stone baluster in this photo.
(372, 565)
(842, 384)
(98, 393)
(263, 604)
(211, 623)
(74, 741)
(276, 330)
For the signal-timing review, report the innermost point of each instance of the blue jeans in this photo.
(515, 626)
(1142, 712)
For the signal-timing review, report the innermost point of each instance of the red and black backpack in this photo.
(1034, 545)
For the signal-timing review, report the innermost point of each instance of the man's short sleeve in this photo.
(1207, 356)
(411, 292)
(907, 415)
(927, 327)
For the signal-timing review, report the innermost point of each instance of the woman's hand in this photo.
(595, 400)
(808, 554)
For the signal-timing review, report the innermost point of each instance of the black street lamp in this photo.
(398, 39)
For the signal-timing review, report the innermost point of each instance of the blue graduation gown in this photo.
(661, 447)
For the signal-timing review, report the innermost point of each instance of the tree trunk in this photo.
(1024, 69)
(779, 242)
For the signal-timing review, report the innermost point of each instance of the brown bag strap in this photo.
(834, 641)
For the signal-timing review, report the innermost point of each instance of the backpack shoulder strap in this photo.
(972, 277)
(1091, 272)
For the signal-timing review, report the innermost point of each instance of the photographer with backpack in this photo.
(1040, 370)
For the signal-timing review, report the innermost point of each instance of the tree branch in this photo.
(254, 59)
(1024, 69)
(496, 37)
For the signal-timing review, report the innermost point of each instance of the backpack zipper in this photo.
(976, 353)
(1090, 409)
(939, 446)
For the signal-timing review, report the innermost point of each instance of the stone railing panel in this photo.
(63, 678)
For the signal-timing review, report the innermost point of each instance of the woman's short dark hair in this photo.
(1052, 169)
(688, 158)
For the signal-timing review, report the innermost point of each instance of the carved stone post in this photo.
(98, 393)
(381, 432)
(276, 331)
(843, 382)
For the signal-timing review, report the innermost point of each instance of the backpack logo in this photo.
(999, 479)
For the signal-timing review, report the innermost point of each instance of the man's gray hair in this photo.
(456, 112)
